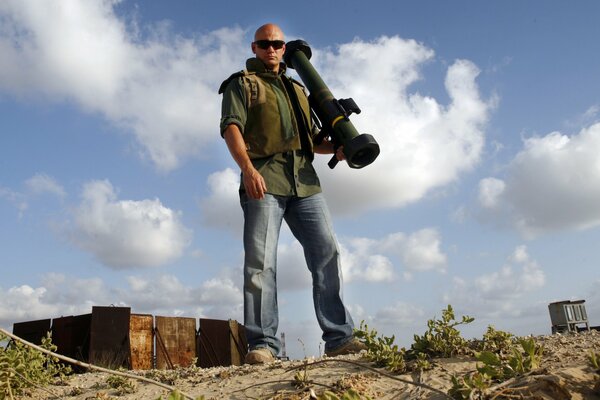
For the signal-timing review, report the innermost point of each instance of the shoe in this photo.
(261, 355)
(352, 346)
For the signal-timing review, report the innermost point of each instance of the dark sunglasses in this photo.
(265, 44)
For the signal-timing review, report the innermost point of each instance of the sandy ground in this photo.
(565, 374)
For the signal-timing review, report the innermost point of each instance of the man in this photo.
(267, 126)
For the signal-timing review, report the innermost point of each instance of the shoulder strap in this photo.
(231, 77)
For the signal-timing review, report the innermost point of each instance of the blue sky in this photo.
(116, 188)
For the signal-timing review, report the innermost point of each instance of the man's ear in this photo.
(253, 46)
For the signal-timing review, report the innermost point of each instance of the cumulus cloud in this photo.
(399, 314)
(221, 208)
(168, 295)
(424, 144)
(498, 293)
(160, 87)
(57, 295)
(552, 184)
(368, 260)
(379, 260)
(127, 233)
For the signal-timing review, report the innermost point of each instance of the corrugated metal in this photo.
(141, 341)
(109, 337)
(32, 331)
(175, 341)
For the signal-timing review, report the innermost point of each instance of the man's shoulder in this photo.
(235, 77)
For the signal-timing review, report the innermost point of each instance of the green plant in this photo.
(422, 362)
(176, 395)
(469, 386)
(121, 384)
(441, 339)
(524, 359)
(301, 379)
(497, 341)
(22, 367)
(594, 359)
(351, 394)
(381, 349)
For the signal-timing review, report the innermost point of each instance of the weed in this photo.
(498, 342)
(22, 367)
(121, 384)
(469, 386)
(381, 349)
(442, 339)
(176, 395)
(349, 395)
(594, 359)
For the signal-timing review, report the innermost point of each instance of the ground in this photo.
(565, 373)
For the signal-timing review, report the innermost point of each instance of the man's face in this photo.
(269, 47)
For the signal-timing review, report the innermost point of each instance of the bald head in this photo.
(269, 32)
(269, 46)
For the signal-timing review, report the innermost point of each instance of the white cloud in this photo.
(424, 144)
(221, 208)
(59, 295)
(127, 233)
(552, 184)
(399, 315)
(16, 199)
(56, 296)
(161, 88)
(498, 293)
(490, 190)
(22, 303)
(42, 183)
(167, 295)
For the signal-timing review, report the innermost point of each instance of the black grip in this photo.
(333, 162)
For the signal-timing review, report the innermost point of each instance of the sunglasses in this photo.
(265, 44)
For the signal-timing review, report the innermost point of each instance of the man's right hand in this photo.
(253, 181)
(254, 184)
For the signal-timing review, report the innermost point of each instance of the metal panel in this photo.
(71, 335)
(141, 341)
(221, 343)
(175, 341)
(109, 337)
(32, 331)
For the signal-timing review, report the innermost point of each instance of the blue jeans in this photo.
(310, 222)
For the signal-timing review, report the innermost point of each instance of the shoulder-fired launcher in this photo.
(331, 114)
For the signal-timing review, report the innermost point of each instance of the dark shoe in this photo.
(261, 355)
(352, 346)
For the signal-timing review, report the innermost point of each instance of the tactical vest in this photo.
(264, 134)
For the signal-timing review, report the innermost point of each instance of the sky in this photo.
(117, 189)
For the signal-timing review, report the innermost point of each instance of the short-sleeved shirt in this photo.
(285, 174)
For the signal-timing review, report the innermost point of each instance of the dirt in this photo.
(565, 373)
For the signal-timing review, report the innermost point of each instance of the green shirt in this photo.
(285, 174)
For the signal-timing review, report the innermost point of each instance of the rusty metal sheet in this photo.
(109, 336)
(71, 335)
(221, 343)
(175, 341)
(32, 331)
(141, 341)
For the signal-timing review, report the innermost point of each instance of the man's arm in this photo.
(326, 147)
(252, 179)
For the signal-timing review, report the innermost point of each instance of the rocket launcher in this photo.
(331, 114)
